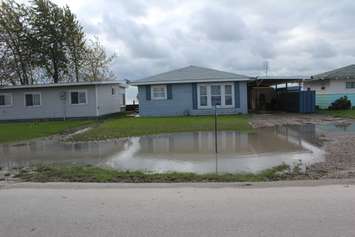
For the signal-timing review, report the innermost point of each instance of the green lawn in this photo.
(126, 126)
(339, 113)
(78, 173)
(120, 126)
(16, 131)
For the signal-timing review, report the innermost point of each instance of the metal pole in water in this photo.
(215, 137)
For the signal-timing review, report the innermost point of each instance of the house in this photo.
(332, 85)
(192, 91)
(62, 100)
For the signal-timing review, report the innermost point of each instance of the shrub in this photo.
(341, 103)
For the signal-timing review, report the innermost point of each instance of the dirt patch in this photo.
(339, 147)
(271, 120)
(339, 159)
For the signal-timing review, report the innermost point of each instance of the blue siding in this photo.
(147, 93)
(325, 100)
(184, 102)
(169, 92)
(237, 94)
(194, 95)
(180, 103)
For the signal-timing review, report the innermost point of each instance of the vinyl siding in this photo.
(333, 90)
(325, 100)
(52, 107)
(108, 103)
(182, 102)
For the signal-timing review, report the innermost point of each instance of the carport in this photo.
(280, 93)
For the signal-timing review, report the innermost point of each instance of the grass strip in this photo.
(88, 173)
(128, 126)
(20, 131)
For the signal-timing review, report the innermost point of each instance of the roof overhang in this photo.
(274, 80)
(37, 86)
(141, 83)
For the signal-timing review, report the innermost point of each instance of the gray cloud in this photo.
(296, 37)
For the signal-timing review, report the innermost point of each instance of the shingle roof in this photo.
(347, 72)
(69, 84)
(191, 74)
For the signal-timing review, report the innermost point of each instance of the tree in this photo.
(75, 42)
(48, 24)
(16, 41)
(97, 62)
(8, 72)
(42, 42)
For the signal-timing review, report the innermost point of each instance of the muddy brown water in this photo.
(181, 152)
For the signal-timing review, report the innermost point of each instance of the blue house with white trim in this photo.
(192, 91)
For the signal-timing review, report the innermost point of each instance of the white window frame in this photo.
(78, 91)
(33, 93)
(351, 83)
(165, 97)
(209, 96)
(11, 100)
(208, 89)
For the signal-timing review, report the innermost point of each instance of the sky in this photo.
(299, 37)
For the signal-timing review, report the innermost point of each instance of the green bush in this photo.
(341, 103)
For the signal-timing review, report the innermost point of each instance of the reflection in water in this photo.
(182, 152)
(337, 127)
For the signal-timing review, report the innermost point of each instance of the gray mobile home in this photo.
(192, 91)
(62, 100)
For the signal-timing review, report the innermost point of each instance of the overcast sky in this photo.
(296, 37)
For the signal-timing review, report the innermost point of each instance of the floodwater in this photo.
(337, 127)
(180, 152)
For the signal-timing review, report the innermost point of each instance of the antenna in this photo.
(266, 68)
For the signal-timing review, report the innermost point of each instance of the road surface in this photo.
(176, 210)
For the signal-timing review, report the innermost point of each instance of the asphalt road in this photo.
(129, 210)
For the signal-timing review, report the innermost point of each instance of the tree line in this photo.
(42, 42)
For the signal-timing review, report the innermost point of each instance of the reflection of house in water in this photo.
(181, 152)
(306, 132)
(267, 140)
(54, 151)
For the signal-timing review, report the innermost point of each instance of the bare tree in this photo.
(97, 62)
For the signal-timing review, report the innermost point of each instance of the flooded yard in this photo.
(181, 152)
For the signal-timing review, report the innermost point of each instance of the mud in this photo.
(338, 144)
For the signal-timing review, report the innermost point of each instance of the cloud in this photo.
(295, 37)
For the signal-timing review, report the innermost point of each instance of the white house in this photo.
(61, 100)
(332, 85)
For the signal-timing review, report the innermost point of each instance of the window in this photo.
(113, 91)
(78, 97)
(123, 99)
(159, 92)
(216, 95)
(32, 99)
(228, 95)
(350, 85)
(221, 95)
(5, 100)
(203, 96)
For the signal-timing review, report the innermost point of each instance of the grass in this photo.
(339, 113)
(127, 127)
(87, 173)
(16, 131)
